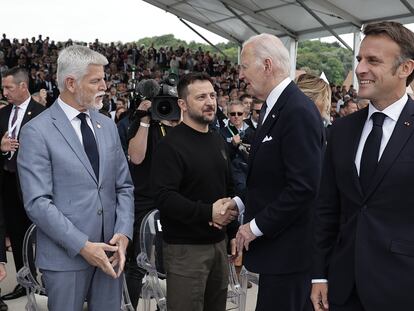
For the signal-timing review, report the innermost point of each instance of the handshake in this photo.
(224, 211)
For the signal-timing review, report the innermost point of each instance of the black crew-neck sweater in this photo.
(190, 171)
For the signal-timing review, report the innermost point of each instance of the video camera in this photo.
(163, 96)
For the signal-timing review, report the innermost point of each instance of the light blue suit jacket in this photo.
(61, 193)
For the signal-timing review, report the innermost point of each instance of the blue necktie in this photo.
(89, 144)
(370, 153)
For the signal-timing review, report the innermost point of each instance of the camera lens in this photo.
(164, 108)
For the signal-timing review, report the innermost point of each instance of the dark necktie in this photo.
(370, 153)
(13, 122)
(10, 162)
(262, 115)
(89, 144)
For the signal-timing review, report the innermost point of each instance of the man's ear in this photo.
(407, 68)
(70, 84)
(182, 104)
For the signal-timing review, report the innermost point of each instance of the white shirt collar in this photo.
(393, 111)
(23, 106)
(70, 112)
(275, 94)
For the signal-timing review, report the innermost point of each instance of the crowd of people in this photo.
(305, 182)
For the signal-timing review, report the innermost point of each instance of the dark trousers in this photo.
(15, 216)
(290, 292)
(197, 276)
(352, 304)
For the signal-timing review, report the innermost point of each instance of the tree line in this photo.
(312, 56)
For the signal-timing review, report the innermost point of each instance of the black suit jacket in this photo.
(249, 122)
(367, 239)
(33, 109)
(282, 184)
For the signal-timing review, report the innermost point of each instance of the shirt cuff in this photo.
(240, 204)
(255, 229)
(317, 281)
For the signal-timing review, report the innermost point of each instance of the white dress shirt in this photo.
(72, 115)
(392, 113)
(22, 111)
(20, 115)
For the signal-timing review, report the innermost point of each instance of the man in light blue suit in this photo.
(77, 189)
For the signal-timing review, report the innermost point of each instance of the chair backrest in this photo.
(151, 258)
(29, 276)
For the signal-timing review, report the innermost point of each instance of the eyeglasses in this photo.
(256, 110)
(233, 114)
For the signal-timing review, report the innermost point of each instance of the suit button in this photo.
(100, 188)
(100, 211)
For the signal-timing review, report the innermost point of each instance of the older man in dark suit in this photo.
(283, 178)
(364, 226)
(22, 109)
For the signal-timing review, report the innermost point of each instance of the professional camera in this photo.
(163, 96)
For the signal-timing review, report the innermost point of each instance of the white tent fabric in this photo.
(237, 20)
(323, 77)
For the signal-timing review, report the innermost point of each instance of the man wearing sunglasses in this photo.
(254, 113)
(238, 136)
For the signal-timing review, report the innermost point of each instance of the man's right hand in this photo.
(319, 296)
(224, 212)
(145, 105)
(8, 144)
(94, 254)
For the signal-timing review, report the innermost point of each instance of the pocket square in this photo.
(267, 138)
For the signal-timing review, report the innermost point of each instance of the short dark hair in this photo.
(397, 33)
(18, 74)
(241, 98)
(189, 78)
(122, 100)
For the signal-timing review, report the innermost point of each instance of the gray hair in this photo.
(18, 74)
(269, 46)
(74, 61)
(235, 102)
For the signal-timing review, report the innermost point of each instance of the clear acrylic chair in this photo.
(151, 261)
(31, 278)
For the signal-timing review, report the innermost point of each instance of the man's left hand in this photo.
(118, 258)
(243, 237)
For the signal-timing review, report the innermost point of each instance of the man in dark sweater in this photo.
(192, 186)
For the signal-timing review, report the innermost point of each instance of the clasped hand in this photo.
(224, 211)
(95, 254)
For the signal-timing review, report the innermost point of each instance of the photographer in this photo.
(143, 135)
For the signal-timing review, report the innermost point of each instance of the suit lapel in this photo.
(64, 126)
(268, 124)
(354, 136)
(29, 113)
(402, 132)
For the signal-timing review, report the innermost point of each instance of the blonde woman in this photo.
(320, 93)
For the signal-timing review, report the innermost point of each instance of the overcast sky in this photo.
(107, 20)
(86, 20)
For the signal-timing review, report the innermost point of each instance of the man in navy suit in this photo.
(364, 225)
(283, 178)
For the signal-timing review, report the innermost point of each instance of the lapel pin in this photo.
(29, 113)
(406, 123)
(273, 116)
(98, 125)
